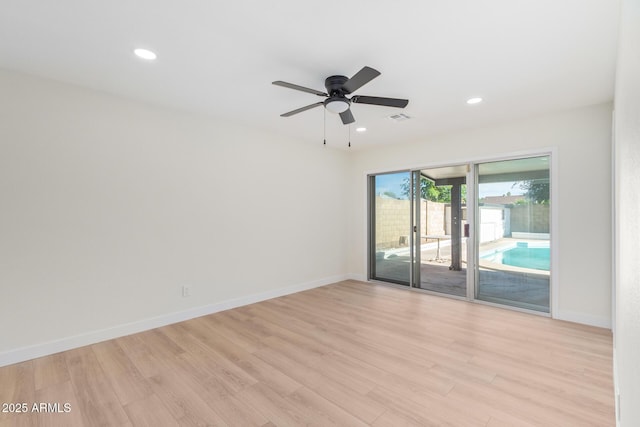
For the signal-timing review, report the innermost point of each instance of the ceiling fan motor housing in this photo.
(334, 85)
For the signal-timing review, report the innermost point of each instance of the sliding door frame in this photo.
(371, 229)
(415, 229)
(554, 268)
(472, 215)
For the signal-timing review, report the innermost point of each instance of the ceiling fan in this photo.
(338, 87)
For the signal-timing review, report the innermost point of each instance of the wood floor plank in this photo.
(423, 403)
(149, 411)
(392, 418)
(300, 372)
(350, 353)
(273, 406)
(546, 377)
(322, 410)
(50, 370)
(401, 405)
(146, 361)
(359, 405)
(535, 410)
(565, 403)
(207, 333)
(17, 387)
(126, 381)
(97, 400)
(266, 374)
(62, 394)
(236, 412)
(183, 398)
(512, 422)
(24, 420)
(208, 354)
(241, 330)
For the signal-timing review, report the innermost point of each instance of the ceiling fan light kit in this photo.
(145, 54)
(336, 105)
(338, 87)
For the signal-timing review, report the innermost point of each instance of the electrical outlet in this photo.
(186, 291)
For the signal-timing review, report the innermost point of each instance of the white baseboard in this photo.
(616, 387)
(38, 350)
(585, 319)
(357, 276)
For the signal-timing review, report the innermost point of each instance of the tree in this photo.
(429, 191)
(536, 191)
(390, 194)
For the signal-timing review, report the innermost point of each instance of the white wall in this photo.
(109, 206)
(627, 186)
(491, 223)
(582, 138)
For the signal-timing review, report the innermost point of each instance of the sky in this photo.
(499, 189)
(393, 183)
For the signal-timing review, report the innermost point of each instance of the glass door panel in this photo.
(390, 227)
(441, 239)
(513, 233)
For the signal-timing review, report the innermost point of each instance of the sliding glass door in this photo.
(418, 230)
(390, 227)
(480, 231)
(514, 233)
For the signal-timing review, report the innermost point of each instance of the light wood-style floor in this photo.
(348, 354)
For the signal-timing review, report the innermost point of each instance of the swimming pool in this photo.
(523, 254)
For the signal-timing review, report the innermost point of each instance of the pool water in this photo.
(537, 258)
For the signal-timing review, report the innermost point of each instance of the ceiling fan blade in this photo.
(375, 100)
(300, 110)
(347, 117)
(297, 87)
(360, 79)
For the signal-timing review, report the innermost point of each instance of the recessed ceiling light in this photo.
(361, 129)
(145, 54)
(474, 100)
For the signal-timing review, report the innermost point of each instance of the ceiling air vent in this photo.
(399, 117)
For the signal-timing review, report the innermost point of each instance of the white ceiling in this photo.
(524, 57)
(492, 170)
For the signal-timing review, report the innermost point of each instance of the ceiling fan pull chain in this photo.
(349, 134)
(325, 127)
